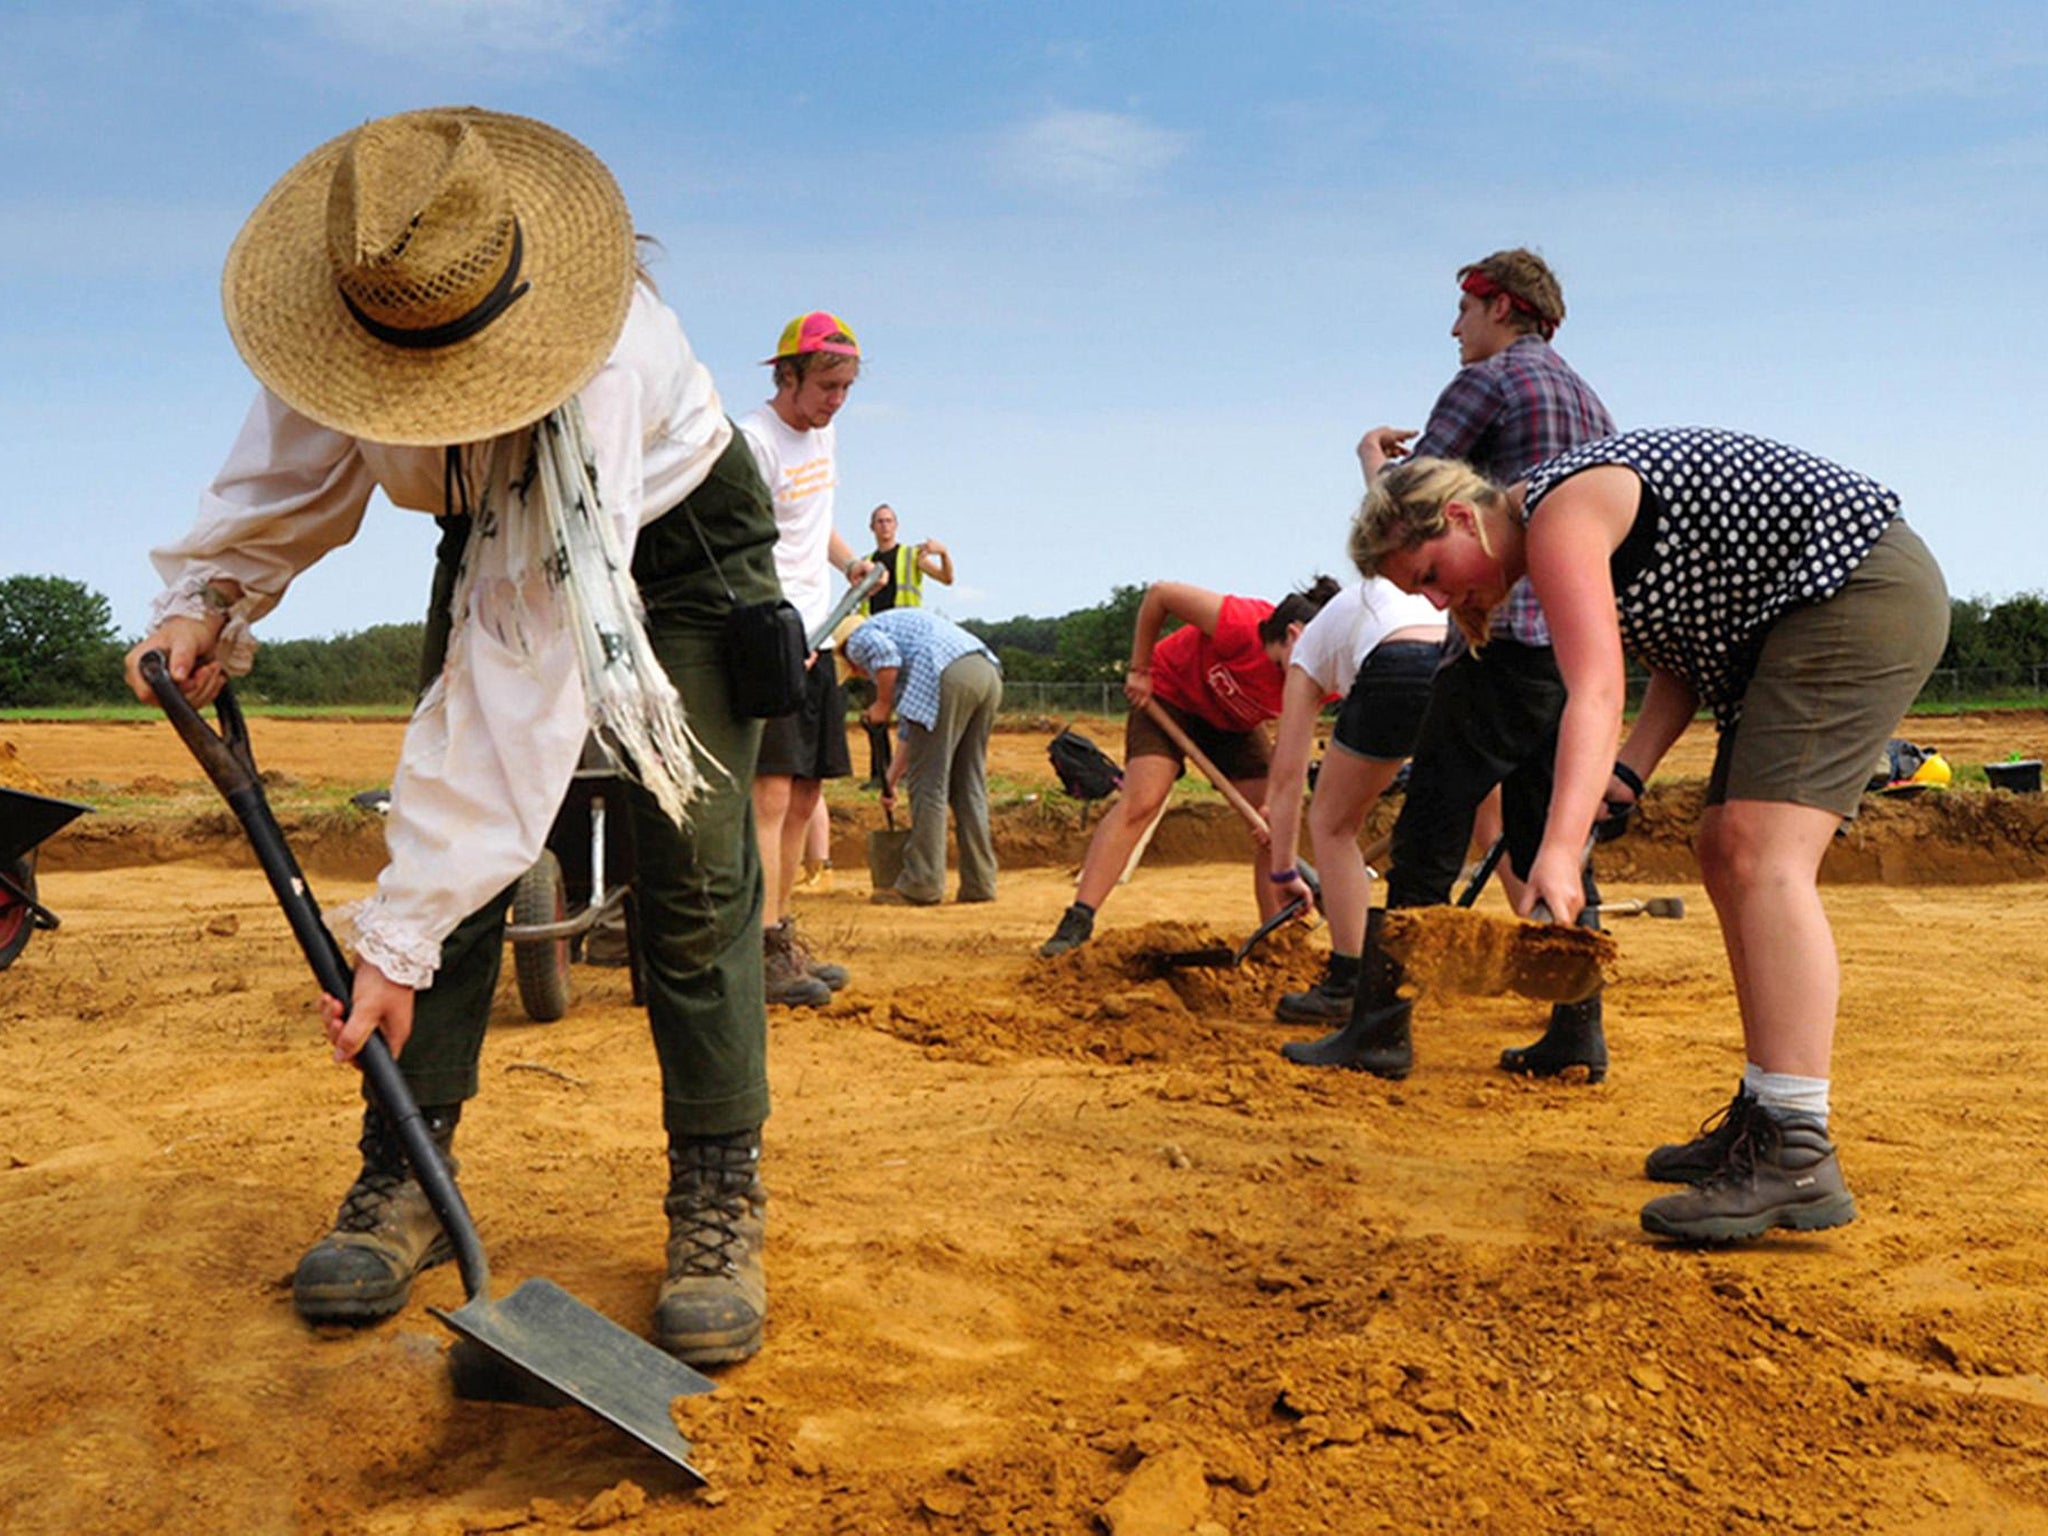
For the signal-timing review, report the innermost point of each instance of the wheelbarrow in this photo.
(26, 820)
(566, 894)
(538, 1345)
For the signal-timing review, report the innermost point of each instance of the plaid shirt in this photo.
(1504, 416)
(921, 645)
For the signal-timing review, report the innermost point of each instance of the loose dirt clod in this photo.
(1454, 949)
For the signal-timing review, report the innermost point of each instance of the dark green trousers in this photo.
(698, 887)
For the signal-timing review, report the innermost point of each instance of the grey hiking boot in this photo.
(1778, 1173)
(1077, 927)
(715, 1298)
(1687, 1162)
(1327, 1002)
(385, 1233)
(834, 976)
(783, 977)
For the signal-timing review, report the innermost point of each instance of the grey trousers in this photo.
(947, 767)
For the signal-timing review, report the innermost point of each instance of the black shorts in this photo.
(810, 743)
(1382, 714)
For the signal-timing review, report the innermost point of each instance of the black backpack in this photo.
(1086, 771)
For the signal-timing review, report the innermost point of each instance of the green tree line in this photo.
(59, 646)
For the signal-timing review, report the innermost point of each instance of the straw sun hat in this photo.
(435, 277)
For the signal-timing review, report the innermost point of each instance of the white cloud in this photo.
(575, 31)
(1090, 154)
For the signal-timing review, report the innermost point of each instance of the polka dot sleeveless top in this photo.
(1745, 529)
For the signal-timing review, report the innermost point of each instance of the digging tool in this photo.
(849, 600)
(1217, 956)
(539, 1344)
(1655, 906)
(1228, 790)
(885, 851)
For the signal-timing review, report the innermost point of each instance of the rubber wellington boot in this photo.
(1328, 1001)
(715, 1298)
(385, 1233)
(1376, 1039)
(1574, 1039)
(1778, 1173)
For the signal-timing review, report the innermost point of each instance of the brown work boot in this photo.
(386, 1232)
(783, 977)
(1778, 1173)
(715, 1298)
(834, 976)
(1687, 1162)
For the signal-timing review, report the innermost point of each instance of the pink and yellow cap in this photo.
(818, 331)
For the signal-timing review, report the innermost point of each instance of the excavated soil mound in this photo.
(1057, 1246)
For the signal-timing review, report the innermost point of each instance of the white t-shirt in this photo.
(801, 473)
(1351, 626)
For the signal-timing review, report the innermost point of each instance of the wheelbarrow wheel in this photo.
(17, 918)
(542, 965)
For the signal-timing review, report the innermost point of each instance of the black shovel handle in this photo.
(225, 756)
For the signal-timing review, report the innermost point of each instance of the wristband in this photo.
(1285, 876)
(1630, 777)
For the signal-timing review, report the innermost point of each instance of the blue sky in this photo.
(1131, 278)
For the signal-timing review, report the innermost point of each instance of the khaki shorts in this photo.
(1833, 680)
(1238, 755)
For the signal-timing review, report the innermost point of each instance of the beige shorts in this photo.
(1833, 681)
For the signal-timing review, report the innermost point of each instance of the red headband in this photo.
(1480, 286)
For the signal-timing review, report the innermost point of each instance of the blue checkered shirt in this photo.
(921, 645)
(1504, 416)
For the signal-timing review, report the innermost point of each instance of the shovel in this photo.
(885, 851)
(1216, 955)
(539, 1344)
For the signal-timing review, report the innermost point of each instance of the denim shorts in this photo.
(1382, 714)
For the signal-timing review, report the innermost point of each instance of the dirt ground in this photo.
(1054, 1246)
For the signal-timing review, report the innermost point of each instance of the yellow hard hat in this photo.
(1933, 769)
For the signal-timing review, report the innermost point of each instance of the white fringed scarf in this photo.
(539, 518)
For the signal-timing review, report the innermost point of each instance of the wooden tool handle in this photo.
(1210, 771)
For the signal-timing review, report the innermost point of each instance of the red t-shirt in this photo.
(1225, 678)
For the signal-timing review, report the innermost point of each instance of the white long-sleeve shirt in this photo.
(488, 755)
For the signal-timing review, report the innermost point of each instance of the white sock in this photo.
(1785, 1093)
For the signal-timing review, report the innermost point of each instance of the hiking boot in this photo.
(1077, 927)
(783, 977)
(1574, 1039)
(1376, 1038)
(1778, 1173)
(1687, 1162)
(834, 976)
(385, 1233)
(1327, 1002)
(715, 1297)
